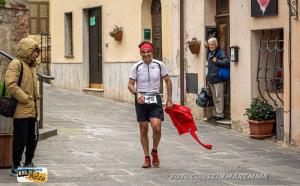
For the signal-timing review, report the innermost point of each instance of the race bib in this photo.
(34, 174)
(150, 99)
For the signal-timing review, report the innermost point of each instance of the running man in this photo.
(147, 74)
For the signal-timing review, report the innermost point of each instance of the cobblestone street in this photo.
(98, 144)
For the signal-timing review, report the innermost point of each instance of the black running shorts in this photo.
(146, 111)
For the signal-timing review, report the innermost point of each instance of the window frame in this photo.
(38, 18)
(68, 35)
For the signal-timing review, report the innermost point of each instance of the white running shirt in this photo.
(147, 76)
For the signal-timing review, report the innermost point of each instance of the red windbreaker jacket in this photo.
(182, 119)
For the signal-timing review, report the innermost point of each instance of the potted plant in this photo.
(261, 117)
(194, 45)
(117, 33)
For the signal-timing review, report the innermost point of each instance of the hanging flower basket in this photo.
(194, 48)
(118, 36)
(194, 45)
(117, 33)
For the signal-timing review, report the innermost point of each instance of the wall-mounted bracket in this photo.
(293, 8)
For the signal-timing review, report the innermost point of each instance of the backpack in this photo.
(204, 99)
(8, 103)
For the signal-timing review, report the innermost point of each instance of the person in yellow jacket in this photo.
(25, 117)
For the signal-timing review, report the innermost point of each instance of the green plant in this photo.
(2, 2)
(194, 41)
(260, 110)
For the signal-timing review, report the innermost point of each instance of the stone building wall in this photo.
(14, 25)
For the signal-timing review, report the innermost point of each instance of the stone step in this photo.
(47, 132)
(93, 92)
(221, 123)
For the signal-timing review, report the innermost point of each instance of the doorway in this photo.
(95, 48)
(156, 29)
(223, 36)
(156, 33)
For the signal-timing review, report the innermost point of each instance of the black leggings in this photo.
(25, 134)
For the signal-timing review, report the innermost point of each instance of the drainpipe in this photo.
(293, 11)
(290, 80)
(181, 50)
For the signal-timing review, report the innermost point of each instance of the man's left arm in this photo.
(169, 91)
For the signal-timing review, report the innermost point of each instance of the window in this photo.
(270, 66)
(68, 35)
(38, 17)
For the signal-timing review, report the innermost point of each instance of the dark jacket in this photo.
(213, 68)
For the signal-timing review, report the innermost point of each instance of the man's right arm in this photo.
(139, 97)
(131, 86)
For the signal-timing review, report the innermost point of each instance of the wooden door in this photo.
(156, 29)
(156, 33)
(223, 35)
(95, 47)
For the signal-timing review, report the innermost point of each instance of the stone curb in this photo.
(47, 132)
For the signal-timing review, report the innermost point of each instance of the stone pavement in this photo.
(98, 144)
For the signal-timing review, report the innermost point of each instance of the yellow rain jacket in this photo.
(26, 94)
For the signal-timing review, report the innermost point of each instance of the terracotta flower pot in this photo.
(194, 48)
(118, 36)
(261, 129)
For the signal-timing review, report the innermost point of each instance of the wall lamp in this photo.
(234, 54)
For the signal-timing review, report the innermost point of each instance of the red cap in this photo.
(146, 46)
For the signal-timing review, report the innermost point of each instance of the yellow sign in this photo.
(34, 174)
(38, 177)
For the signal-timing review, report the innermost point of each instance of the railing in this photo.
(42, 78)
(9, 57)
(45, 54)
(270, 70)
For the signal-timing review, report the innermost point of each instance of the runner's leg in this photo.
(144, 137)
(156, 128)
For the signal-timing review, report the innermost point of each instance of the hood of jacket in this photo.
(25, 49)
